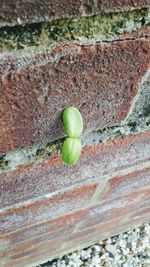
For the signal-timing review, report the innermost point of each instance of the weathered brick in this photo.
(127, 184)
(53, 226)
(116, 208)
(75, 240)
(15, 12)
(54, 232)
(101, 80)
(106, 229)
(49, 240)
(27, 257)
(46, 209)
(104, 81)
(105, 159)
(140, 215)
(36, 245)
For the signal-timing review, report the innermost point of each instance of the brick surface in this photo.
(105, 159)
(49, 208)
(109, 221)
(36, 246)
(13, 12)
(117, 208)
(81, 239)
(106, 229)
(54, 226)
(127, 184)
(52, 238)
(101, 80)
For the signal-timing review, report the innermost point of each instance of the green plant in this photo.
(73, 125)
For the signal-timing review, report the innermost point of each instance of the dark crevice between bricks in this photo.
(103, 27)
(130, 127)
(41, 152)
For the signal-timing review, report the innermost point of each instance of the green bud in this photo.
(71, 150)
(73, 122)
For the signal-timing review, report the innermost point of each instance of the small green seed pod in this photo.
(71, 150)
(73, 122)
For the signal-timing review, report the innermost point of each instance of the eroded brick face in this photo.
(100, 80)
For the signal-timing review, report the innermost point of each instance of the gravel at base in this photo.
(130, 249)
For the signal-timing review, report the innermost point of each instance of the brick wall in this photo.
(94, 55)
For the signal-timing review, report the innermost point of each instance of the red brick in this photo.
(97, 223)
(31, 254)
(106, 229)
(101, 80)
(36, 245)
(54, 226)
(30, 11)
(136, 203)
(127, 184)
(140, 215)
(32, 240)
(116, 208)
(46, 209)
(34, 180)
(74, 241)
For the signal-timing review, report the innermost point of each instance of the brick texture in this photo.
(91, 225)
(118, 207)
(40, 229)
(122, 185)
(99, 64)
(44, 210)
(55, 227)
(13, 12)
(96, 162)
(101, 80)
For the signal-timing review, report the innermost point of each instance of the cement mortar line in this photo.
(86, 42)
(19, 157)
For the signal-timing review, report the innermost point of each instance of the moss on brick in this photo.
(19, 37)
(3, 162)
(98, 27)
(51, 149)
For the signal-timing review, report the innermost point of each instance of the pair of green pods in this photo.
(73, 125)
